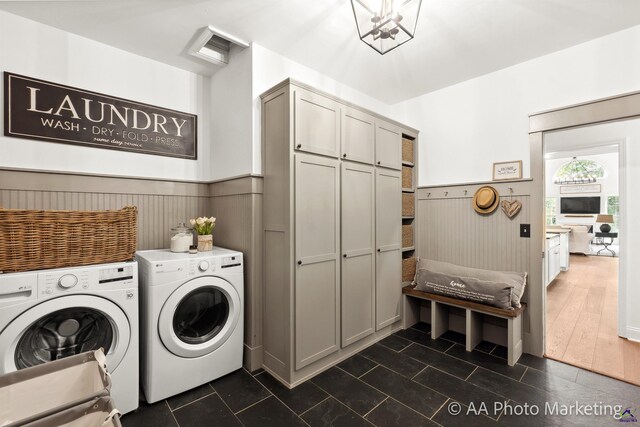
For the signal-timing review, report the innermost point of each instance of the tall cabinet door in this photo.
(388, 247)
(358, 136)
(358, 260)
(316, 124)
(317, 269)
(388, 145)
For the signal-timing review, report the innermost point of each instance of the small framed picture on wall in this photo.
(507, 170)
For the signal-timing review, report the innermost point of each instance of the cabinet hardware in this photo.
(344, 155)
(345, 255)
(299, 146)
(300, 262)
(378, 249)
(378, 162)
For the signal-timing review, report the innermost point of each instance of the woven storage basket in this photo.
(408, 206)
(34, 239)
(407, 150)
(408, 269)
(407, 235)
(407, 177)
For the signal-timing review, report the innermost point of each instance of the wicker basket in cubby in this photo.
(408, 204)
(408, 269)
(39, 239)
(407, 177)
(407, 150)
(407, 235)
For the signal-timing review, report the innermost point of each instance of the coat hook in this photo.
(446, 193)
(428, 194)
(465, 192)
(511, 189)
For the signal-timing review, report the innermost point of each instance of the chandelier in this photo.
(576, 173)
(386, 24)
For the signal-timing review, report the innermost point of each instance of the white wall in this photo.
(628, 131)
(232, 145)
(466, 127)
(270, 68)
(36, 50)
(608, 184)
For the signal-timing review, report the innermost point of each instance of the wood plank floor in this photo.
(582, 320)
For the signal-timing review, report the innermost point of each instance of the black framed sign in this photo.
(37, 109)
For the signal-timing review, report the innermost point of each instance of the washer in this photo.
(50, 314)
(192, 319)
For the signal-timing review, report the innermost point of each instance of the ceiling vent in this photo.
(214, 46)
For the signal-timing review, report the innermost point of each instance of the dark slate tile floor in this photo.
(407, 379)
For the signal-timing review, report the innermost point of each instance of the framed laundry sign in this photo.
(37, 109)
(507, 170)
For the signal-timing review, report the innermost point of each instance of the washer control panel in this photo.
(110, 276)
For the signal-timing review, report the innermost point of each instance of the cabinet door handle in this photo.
(378, 249)
(344, 255)
(378, 161)
(300, 262)
(299, 146)
(344, 155)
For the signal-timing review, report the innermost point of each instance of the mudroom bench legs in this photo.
(474, 314)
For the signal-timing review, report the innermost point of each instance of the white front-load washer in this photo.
(192, 319)
(47, 315)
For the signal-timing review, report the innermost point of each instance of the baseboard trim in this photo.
(252, 358)
(633, 333)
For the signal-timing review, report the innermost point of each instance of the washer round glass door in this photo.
(199, 316)
(62, 327)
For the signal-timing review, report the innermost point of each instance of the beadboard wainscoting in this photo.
(450, 230)
(235, 202)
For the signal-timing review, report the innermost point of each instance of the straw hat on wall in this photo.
(486, 200)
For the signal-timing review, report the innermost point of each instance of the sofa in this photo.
(580, 237)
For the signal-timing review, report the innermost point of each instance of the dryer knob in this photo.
(203, 266)
(67, 281)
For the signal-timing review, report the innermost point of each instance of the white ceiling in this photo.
(455, 39)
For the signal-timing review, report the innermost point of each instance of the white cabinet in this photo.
(316, 124)
(388, 244)
(358, 259)
(564, 251)
(552, 257)
(332, 261)
(317, 240)
(358, 136)
(388, 145)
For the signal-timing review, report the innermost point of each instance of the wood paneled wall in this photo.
(236, 203)
(448, 229)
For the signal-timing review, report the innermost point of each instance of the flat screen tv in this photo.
(580, 205)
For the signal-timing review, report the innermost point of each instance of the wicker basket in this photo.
(407, 150)
(408, 269)
(408, 205)
(407, 235)
(35, 239)
(407, 177)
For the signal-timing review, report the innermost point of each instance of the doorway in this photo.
(583, 182)
(589, 321)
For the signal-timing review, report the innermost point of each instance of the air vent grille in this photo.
(214, 46)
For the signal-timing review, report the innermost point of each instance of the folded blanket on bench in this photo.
(501, 289)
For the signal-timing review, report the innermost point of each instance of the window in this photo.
(551, 210)
(613, 208)
(579, 172)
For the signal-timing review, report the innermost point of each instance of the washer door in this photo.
(199, 316)
(63, 327)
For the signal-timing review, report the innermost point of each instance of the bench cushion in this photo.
(494, 280)
(465, 288)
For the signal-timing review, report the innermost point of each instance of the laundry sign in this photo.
(37, 109)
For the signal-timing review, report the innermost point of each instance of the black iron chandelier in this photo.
(386, 24)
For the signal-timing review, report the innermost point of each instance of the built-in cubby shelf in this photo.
(405, 163)
(408, 190)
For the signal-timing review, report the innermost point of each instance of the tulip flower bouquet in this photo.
(204, 227)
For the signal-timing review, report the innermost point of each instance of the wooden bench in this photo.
(474, 312)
